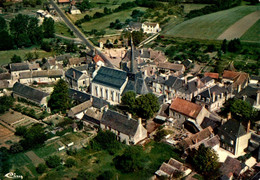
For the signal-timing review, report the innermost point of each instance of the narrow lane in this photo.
(78, 33)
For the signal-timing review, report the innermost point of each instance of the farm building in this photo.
(33, 95)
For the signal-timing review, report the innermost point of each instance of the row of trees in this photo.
(144, 106)
(217, 6)
(24, 31)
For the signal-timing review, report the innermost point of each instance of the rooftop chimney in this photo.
(213, 96)
(129, 116)
(74, 74)
(139, 120)
(258, 98)
(248, 127)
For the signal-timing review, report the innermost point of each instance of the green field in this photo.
(61, 28)
(210, 26)
(252, 34)
(5, 56)
(104, 22)
(190, 7)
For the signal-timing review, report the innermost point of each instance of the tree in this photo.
(131, 160)
(34, 136)
(85, 175)
(3, 25)
(70, 162)
(59, 99)
(106, 175)
(234, 45)
(224, 46)
(85, 5)
(28, 56)
(16, 59)
(45, 46)
(138, 37)
(6, 102)
(48, 28)
(20, 130)
(105, 140)
(41, 168)
(205, 161)
(6, 40)
(160, 135)
(128, 99)
(146, 105)
(16, 148)
(53, 161)
(242, 110)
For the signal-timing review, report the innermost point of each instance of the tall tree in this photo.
(224, 46)
(205, 161)
(128, 99)
(242, 110)
(3, 25)
(59, 100)
(48, 28)
(6, 40)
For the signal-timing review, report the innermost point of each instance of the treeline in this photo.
(24, 31)
(217, 6)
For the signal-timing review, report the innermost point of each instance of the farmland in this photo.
(212, 25)
(252, 34)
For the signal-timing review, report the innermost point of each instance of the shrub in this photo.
(53, 161)
(70, 162)
(41, 168)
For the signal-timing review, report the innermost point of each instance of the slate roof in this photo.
(206, 79)
(5, 76)
(29, 92)
(92, 117)
(174, 82)
(208, 92)
(110, 77)
(250, 93)
(81, 107)
(19, 67)
(63, 57)
(81, 97)
(233, 128)
(187, 63)
(119, 122)
(185, 107)
(71, 72)
(231, 165)
(139, 86)
(209, 122)
(76, 60)
(135, 25)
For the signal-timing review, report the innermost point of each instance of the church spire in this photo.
(133, 65)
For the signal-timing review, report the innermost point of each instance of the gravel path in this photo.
(240, 27)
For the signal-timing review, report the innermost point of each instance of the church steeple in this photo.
(133, 63)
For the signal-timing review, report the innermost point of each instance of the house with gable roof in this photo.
(234, 137)
(183, 110)
(77, 79)
(239, 80)
(33, 95)
(125, 127)
(151, 27)
(98, 61)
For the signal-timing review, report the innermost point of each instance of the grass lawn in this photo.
(7, 55)
(19, 159)
(61, 28)
(212, 25)
(104, 22)
(252, 34)
(190, 7)
(45, 151)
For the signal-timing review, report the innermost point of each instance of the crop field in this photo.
(252, 34)
(210, 26)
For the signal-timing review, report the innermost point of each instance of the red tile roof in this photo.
(212, 75)
(231, 165)
(63, 1)
(185, 107)
(238, 77)
(98, 58)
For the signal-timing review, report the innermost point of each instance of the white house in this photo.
(74, 10)
(151, 27)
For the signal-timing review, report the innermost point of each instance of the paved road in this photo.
(78, 33)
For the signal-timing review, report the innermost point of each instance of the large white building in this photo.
(109, 84)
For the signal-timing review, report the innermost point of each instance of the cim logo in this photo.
(12, 175)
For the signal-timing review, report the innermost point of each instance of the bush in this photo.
(16, 148)
(70, 162)
(53, 161)
(106, 175)
(85, 175)
(20, 131)
(160, 135)
(41, 168)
